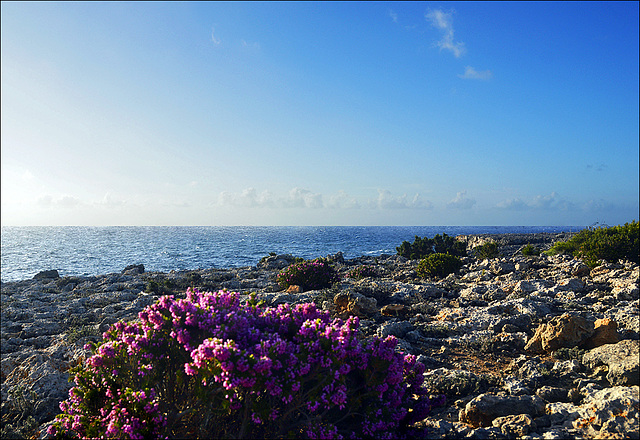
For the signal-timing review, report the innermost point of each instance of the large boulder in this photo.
(276, 262)
(619, 360)
(47, 275)
(354, 303)
(133, 269)
(611, 413)
(606, 332)
(566, 331)
(482, 410)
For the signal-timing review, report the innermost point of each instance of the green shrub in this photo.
(361, 272)
(487, 251)
(530, 251)
(438, 265)
(311, 275)
(421, 247)
(567, 354)
(602, 243)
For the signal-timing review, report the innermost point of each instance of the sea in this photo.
(87, 251)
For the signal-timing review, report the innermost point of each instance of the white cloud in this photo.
(110, 201)
(444, 22)
(471, 73)
(513, 205)
(386, 200)
(342, 200)
(215, 40)
(599, 206)
(393, 15)
(552, 202)
(251, 46)
(301, 198)
(461, 201)
(69, 202)
(64, 202)
(250, 198)
(46, 200)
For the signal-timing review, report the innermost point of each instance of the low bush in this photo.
(487, 251)
(421, 247)
(602, 243)
(438, 265)
(311, 275)
(567, 354)
(530, 251)
(361, 272)
(209, 366)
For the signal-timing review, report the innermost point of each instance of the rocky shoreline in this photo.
(528, 347)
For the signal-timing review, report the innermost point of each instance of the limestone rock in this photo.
(610, 413)
(562, 331)
(606, 332)
(397, 329)
(514, 425)
(621, 361)
(355, 303)
(395, 310)
(553, 394)
(482, 410)
(571, 285)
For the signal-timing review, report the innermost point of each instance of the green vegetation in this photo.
(530, 251)
(440, 244)
(602, 243)
(311, 275)
(17, 421)
(487, 251)
(460, 384)
(362, 271)
(438, 265)
(567, 354)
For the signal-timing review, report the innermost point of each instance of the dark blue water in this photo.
(82, 251)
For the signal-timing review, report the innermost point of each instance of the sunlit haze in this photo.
(417, 113)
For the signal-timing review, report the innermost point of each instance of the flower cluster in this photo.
(311, 275)
(211, 366)
(362, 271)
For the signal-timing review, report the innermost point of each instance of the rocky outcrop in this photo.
(619, 362)
(564, 331)
(541, 347)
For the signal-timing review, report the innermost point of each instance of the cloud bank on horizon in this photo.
(319, 114)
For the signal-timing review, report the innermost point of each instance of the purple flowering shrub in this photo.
(209, 366)
(310, 274)
(361, 272)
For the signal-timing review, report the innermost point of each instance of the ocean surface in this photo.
(85, 251)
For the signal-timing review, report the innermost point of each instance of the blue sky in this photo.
(417, 113)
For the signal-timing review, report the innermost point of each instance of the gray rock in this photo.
(46, 275)
(553, 394)
(397, 329)
(514, 425)
(516, 387)
(482, 410)
(621, 360)
(133, 269)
